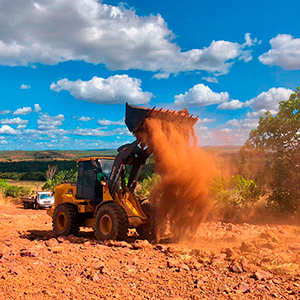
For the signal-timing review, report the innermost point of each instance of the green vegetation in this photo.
(60, 177)
(234, 196)
(12, 190)
(235, 191)
(3, 183)
(36, 176)
(146, 186)
(271, 156)
(35, 166)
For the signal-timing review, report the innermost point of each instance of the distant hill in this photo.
(50, 155)
(32, 165)
(223, 149)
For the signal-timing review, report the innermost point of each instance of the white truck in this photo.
(40, 200)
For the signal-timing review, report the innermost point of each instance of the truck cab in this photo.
(44, 199)
(40, 200)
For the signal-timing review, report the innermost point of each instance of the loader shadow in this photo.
(45, 235)
(80, 238)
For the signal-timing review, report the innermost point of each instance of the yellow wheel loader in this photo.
(101, 198)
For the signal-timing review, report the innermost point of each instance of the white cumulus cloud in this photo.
(25, 87)
(4, 112)
(267, 101)
(85, 119)
(22, 111)
(217, 58)
(6, 129)
(49, 32)
(284, 52)
(205, 121)
(231, 105)
(105, 122)
(27, 110)
(46, 122)
(242, 123)
(210, 79)
(37, 108)
(100, 132)
(14, 121)
(201, 95)
(116, 89)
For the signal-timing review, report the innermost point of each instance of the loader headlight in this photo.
(104, 185)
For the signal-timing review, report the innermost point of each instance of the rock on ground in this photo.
(222, 261)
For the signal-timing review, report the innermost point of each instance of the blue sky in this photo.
(68, 67)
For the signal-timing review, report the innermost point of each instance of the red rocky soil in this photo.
(223, 261)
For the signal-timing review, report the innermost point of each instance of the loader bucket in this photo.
(135, 116)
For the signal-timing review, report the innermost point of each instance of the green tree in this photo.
(279, 133)
(60, 177)
(277, 141)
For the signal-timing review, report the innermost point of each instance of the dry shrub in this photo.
(5, 201)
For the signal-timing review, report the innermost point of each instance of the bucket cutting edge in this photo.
(136, 115)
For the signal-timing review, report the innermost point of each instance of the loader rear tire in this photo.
(111, 222)
(148, 230)
(66, 219)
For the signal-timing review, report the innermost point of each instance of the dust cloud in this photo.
(182, 194)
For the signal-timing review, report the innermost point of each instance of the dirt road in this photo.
(224, 261)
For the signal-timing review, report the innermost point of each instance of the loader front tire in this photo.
(147, 230)
(111, 222)
(66, 219)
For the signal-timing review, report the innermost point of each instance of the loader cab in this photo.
(88, 187)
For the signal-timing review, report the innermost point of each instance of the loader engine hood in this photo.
(136, 115)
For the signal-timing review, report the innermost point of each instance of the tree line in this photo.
(32, 170)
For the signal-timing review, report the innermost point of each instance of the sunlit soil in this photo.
(221, 261)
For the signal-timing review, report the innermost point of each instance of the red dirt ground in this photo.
(222, 261)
